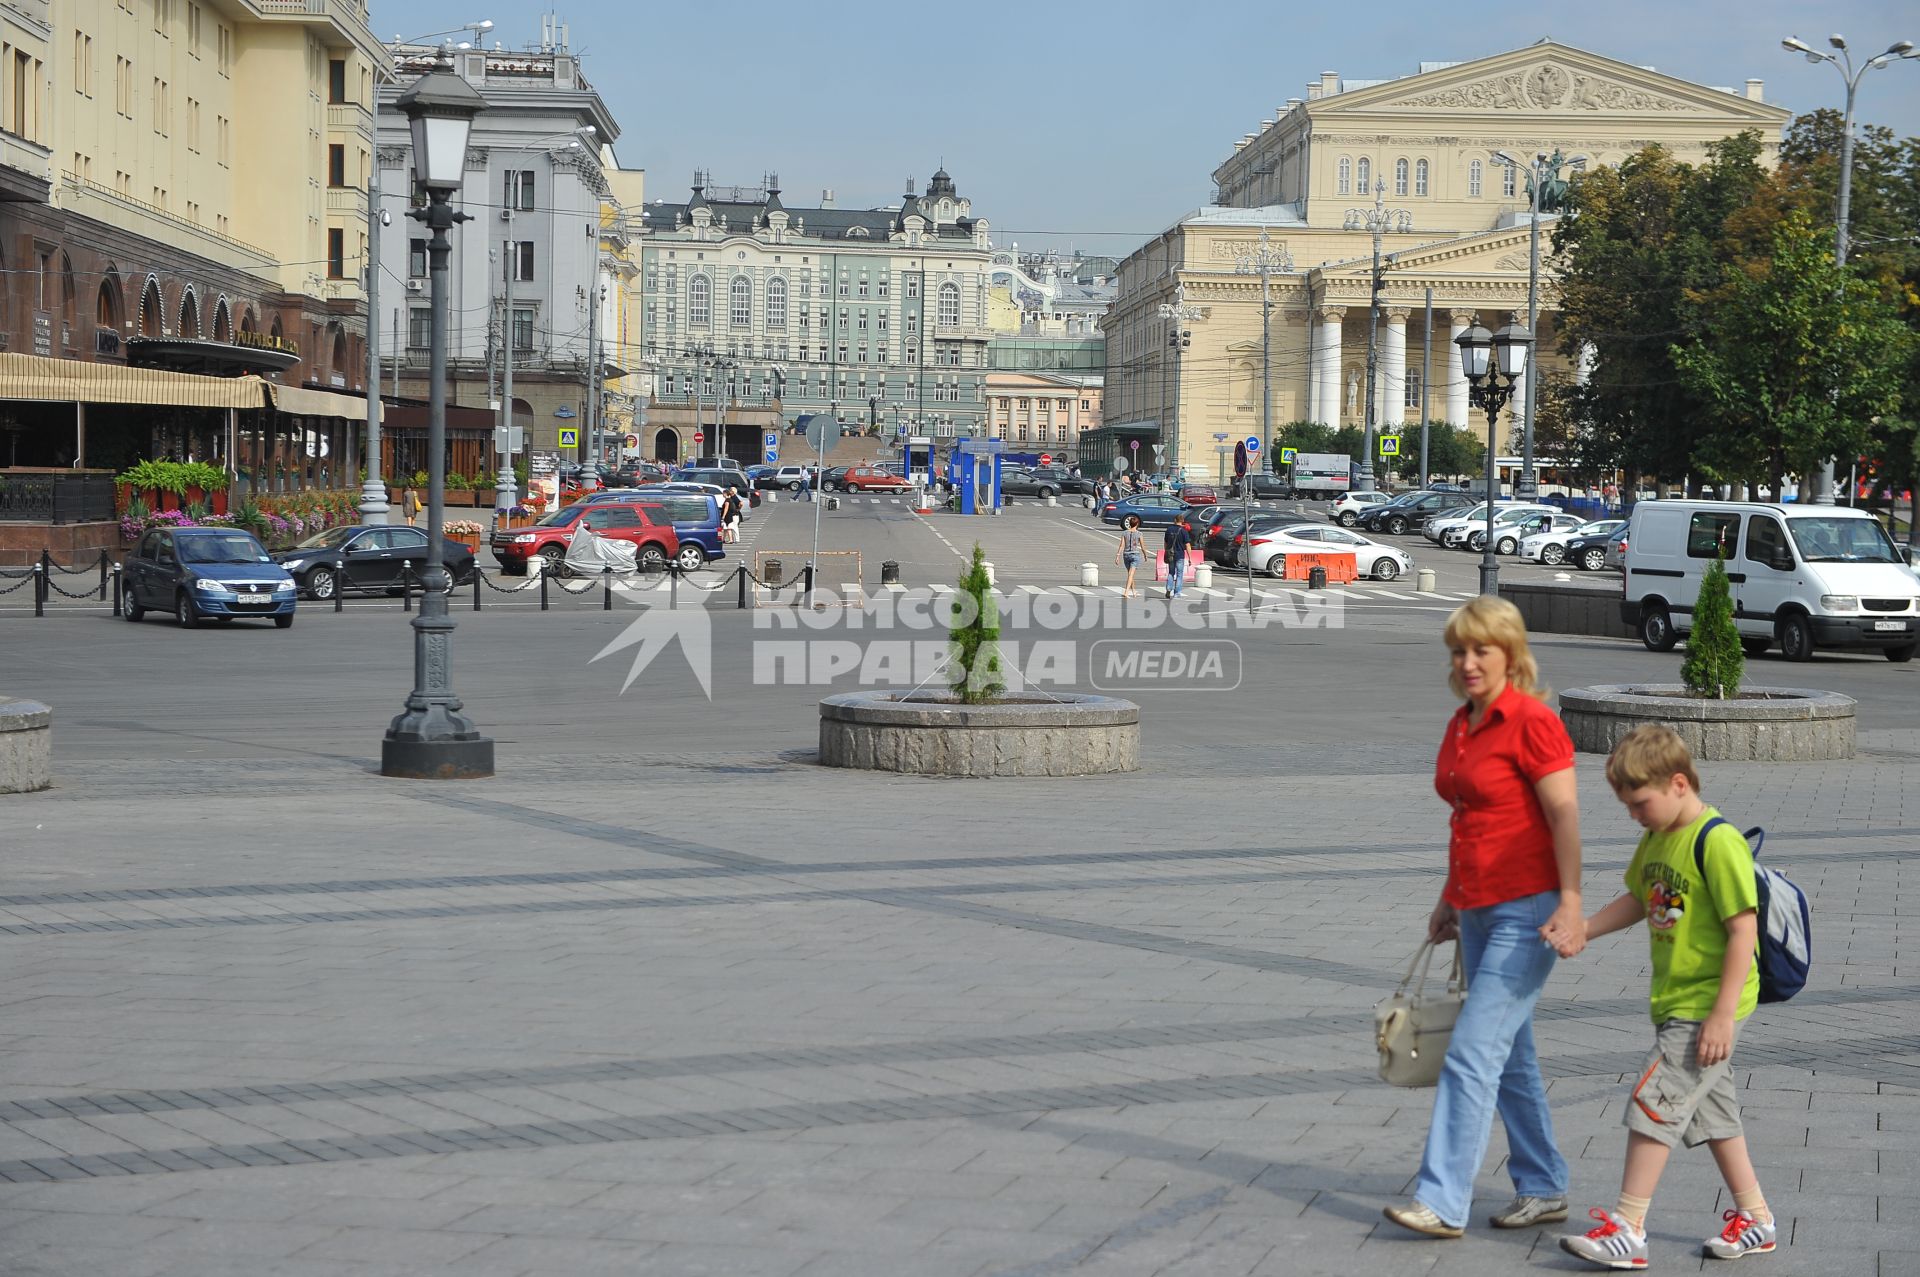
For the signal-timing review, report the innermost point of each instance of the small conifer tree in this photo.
(974, 637)
(1715, 663)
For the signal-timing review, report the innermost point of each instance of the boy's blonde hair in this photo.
(1496, 623)
(1650, 754)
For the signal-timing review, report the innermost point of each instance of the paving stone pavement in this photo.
(667, 998)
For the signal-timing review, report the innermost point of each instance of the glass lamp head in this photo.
(1476, 350)
(1511, 346)
(440, 108)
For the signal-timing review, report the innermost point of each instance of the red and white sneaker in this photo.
(1613, 1244)
(1743, 1235)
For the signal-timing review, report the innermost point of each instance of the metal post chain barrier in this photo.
(40, 588)
(104, 561)
(119, 591)
(477, 574)
(406, 586)
(54, 587)
(21, 584)
(606, 586)
(339, 584)
(543, 587)
(740, 579)
(480, 578)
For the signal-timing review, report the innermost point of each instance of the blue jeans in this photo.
(1491, 1064)
(1176, 573)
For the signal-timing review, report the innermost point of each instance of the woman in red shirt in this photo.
(1512, 900)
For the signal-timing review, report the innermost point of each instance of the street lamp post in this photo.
(1841, 59)
(1486, 358)
(1543, 169)
(1379, 219)
(431, 739)
(1179, 338)
(1264, 261)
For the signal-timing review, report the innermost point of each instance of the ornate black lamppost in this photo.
(1493, 364)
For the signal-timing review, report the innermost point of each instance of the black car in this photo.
(1040, 481)
(1410, 511)
(1063, 479)
(1589, 552)
(834, 478)
(197, 572)
(1217, 537)
(1266, 487)
(371, 557)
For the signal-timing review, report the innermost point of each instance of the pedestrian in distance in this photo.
(1178, 540)
(1700, 903)
(410, 503)
(1132, 551)
(730, 515)
(1512, 902)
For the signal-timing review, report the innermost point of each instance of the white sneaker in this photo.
(1613, 1244)
(1743, 1235)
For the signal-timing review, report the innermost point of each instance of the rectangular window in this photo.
(162, 15)
(419, 327)
(416, 259)
(1412, 398)
(1711, 534)
(1509, 180)
(223, 138)
(123, 87)
(223, 49)
(336, 165)
(881, 285)
(520, 189)
(193, 29)
(862, 287)
(83, 64)
(522, 329)
(193, 126)
(1765, 539)
(336, 80)
(523, 260)
(162, 107)
(913, 285)
(336, 253)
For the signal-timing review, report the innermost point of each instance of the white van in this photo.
(1802, 576)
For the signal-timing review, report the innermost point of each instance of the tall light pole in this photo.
(1379, 220)
(431, 739)
(1841, 59)
(1179, 338)
(1264, 261)
(1543, 169)
(1486, 358)
(373, 489)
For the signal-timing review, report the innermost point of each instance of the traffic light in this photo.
(1186, 338)
(1173, 340)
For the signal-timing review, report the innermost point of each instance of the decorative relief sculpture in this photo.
(1593, 94)
(1548, 87)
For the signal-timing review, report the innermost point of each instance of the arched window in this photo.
(1476, 174)
(700, 301)
(1400, 177)
(248, 324)
(106, 306)
(1366, 176)
(776, 302)
(740, 302)
(1420, 177)
(1346, 175)
(150, 314)
(222, 321)
(949, 313)
(189, 317)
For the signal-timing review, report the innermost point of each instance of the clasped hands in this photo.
(1566, 930)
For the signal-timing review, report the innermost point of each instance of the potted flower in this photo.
(458, 490)
(465, 531)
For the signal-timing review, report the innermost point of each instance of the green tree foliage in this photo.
(1789, 361)
(973, 637)
(1451, 453)
(1715, 664)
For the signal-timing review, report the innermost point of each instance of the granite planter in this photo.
(931, 734)
(1761, 725)
(26, 746)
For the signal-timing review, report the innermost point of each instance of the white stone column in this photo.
(1310, 408)
(1330, 319)
(1583, 367)
(1393, 366)
(1458, 321)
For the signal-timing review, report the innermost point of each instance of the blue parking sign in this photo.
(771, 440)
(773, 456)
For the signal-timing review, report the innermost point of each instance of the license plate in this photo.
(254, 600)
(1889, 625)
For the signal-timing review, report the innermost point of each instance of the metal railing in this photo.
(56, 496)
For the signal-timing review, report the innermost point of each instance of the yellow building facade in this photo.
(1457, 222)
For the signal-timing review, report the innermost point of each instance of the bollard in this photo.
(40, 588)
(339, 584)
(673, 586)
(1316, 578)
(118, 587)
(104, 560)
(542, 570)
(740, 579)
(476, 587)
(1425, 581)
(606, 589)
(1047, 500)
(808, 590)
(890, 573)
(1203, 575)
(1090, 576)
(406, 587)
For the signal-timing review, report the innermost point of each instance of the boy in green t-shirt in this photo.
(1705, 983)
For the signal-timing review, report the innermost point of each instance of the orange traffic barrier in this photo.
(1340, 565)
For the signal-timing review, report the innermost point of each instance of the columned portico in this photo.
(1458, 321)
(1329, 321)
(1393, 366)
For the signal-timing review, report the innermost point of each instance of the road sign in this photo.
(633, 441)
(1253, 445)
(1134, 444)
(1046, 458)
(1389, 445)
(770, 439)
(1119, 465)
(1240, 451)
(822, 432)
(772, 456)
(699, 436)
(569, 436)
(1288, 456)
(508, 438)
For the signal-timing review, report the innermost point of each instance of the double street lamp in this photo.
(1841, 60)
(1493, 363)
(431, 739)
(1543, 169)
(1379, 220)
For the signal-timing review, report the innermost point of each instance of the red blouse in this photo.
(1501, 847)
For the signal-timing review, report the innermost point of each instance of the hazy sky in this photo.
(1094, 121)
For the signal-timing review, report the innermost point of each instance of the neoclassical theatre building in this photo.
(1457, 222)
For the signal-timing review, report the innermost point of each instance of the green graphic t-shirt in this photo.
(1686, 923)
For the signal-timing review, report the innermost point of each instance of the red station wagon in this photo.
(549, 538)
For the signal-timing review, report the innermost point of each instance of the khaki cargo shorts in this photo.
(1678, 1102)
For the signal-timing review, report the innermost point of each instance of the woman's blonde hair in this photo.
(1496, 623)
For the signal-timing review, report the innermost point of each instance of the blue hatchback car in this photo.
(695, 517)
(196, 572)
(1153, 509)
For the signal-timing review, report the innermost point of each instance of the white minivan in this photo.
(1802, 576)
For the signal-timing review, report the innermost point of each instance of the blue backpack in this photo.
(1785, 946)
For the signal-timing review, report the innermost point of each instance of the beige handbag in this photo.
(1412, 1027)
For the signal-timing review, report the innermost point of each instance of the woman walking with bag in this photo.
(1512, 900)
(1132, 551)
